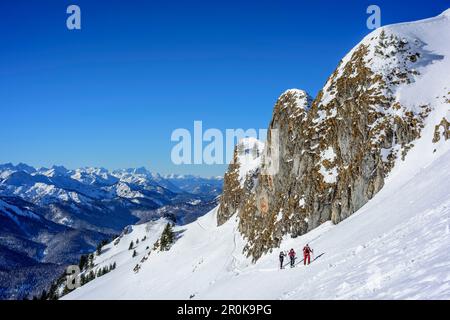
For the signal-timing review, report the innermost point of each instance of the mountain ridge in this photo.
(50, 216)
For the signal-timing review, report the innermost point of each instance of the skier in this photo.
(282, 255)
(292, 256)
(307, 254)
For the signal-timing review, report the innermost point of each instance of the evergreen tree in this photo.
(167, 238)
(131, 245)
(100, 246)
(83, 279)
(134, 253)
(99, 249)
(91, 261)
(83, 262)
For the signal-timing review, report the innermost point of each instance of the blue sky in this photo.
(111, 94)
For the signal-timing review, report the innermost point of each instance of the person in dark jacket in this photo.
(292, 257)
(282, 255)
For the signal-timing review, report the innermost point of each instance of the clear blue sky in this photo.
(111, 94)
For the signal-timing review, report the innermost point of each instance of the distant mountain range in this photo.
(50, 216)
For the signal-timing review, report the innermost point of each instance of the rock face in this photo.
(333, 153)
(239, 179)
(442, 130)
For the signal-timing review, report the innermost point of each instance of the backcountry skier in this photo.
(292, 257)
(282, 255)
(307, 254)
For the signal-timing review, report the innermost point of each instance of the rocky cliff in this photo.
(334, 153)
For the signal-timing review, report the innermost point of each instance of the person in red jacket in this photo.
(292, 257)
(307, 254)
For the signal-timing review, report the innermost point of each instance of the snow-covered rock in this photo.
(389, 95)
(239, 178)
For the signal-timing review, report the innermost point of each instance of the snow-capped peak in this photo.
(301, 98)
(55, 171)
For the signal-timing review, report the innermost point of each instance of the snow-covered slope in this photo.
(118, 252)
(49, 217)
(397, 246)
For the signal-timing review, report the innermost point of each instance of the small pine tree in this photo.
(100, 246)
(137, 241)
(91, 261)
(83, 262)
(134, 253)
(167, 238)
(83, 279)
(99, 249)
(131, 245)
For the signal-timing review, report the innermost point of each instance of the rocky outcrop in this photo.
(442, 130)
(333, 153)
(238, 180)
